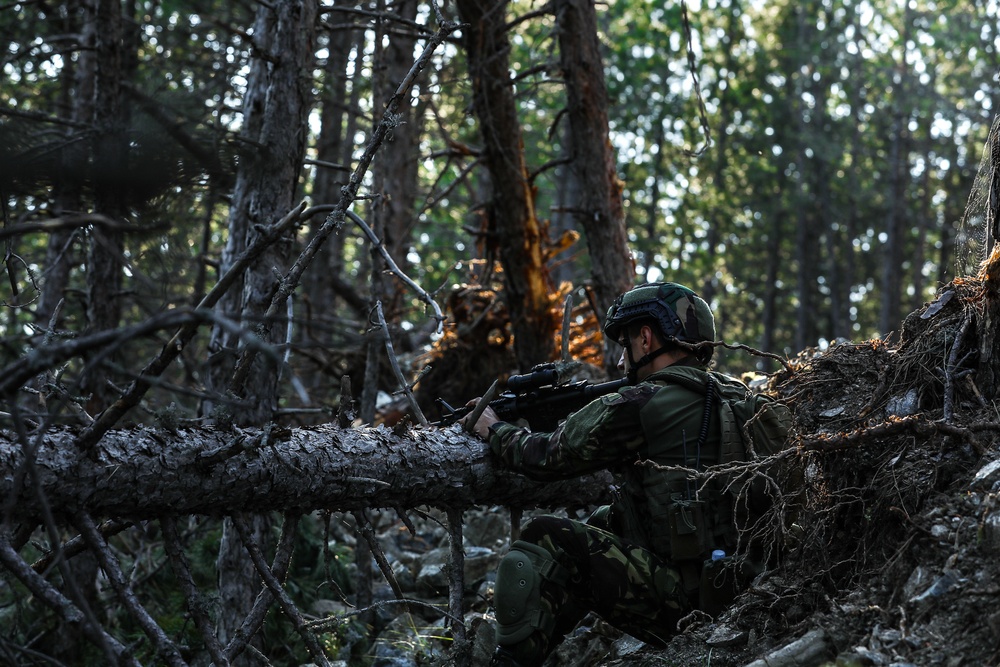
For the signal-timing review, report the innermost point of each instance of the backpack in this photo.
(752, 425)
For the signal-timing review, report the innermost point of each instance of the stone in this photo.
(407, 642)
(990, 529)
(725, 635)
(987, 477)
(905, 405)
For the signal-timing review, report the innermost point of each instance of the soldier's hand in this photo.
(482, 426)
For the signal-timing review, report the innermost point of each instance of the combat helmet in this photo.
(679, 314)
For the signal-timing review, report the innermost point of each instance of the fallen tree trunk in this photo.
(144, 472)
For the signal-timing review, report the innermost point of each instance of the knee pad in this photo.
(517, 593)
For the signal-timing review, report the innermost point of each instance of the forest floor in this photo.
(889, 551)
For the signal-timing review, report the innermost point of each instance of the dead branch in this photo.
(404, 386)
(135, 391)
(165, 648)
(273, 584)
(456, 573)
(113, 649)
(196, 604)
(143, 472)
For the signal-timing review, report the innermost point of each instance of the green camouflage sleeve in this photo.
(605, 432)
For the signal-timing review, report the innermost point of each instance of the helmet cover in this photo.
(678, 312)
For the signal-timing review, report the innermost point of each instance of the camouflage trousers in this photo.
(628, 586)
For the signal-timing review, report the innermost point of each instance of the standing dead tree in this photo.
(989, 273)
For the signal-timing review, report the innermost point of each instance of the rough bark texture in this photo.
(600, 212)
(512, 209)
(141, 472)
(988, 376)
(110, 168)
(275, 109)
(399, 161)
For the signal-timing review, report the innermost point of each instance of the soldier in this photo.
(638, 562)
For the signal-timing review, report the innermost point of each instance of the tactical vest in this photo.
(697, 419)
(689, 423)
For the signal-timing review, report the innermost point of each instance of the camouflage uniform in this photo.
(619, 563)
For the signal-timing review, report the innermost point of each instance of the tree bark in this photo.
(511, 212)
(899, 163)
(600, 211)
(110, 167)
(988, 375)
(275, 110)
(143, 473)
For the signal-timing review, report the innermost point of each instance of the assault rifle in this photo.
(537, 397)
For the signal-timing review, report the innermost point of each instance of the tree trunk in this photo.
(511, 212)
(142, 473)
(110, 167)
(275, 111)
(77, 105)
(988, 376)
(769, 316)
(329, 179)
(899, 173)
(805, 235)
(399, 159)
(600, 212)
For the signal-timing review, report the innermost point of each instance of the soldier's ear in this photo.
(647, 336)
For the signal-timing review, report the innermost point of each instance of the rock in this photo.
(918, 581)
(987, 477)
(432, 575)
(432, 580)
(904, 405)
(480, 563)
(941, 585)
(627, 645)
(994, 622)
(811, 649)
(887, 638)
(404, 576)
(491, 528)
(407, 642)
(330, 608)
(862, 657)
(726, 635)
(938, 304)
(990, 528)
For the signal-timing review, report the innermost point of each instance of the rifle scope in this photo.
(541, 375)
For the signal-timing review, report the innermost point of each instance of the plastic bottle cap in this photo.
(718, 554)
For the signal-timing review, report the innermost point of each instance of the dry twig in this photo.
(278, 591)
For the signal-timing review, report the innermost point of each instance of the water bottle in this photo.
(717, 588)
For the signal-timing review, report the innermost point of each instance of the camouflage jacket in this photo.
(656, 420)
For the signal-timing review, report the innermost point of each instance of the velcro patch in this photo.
(613, 399)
